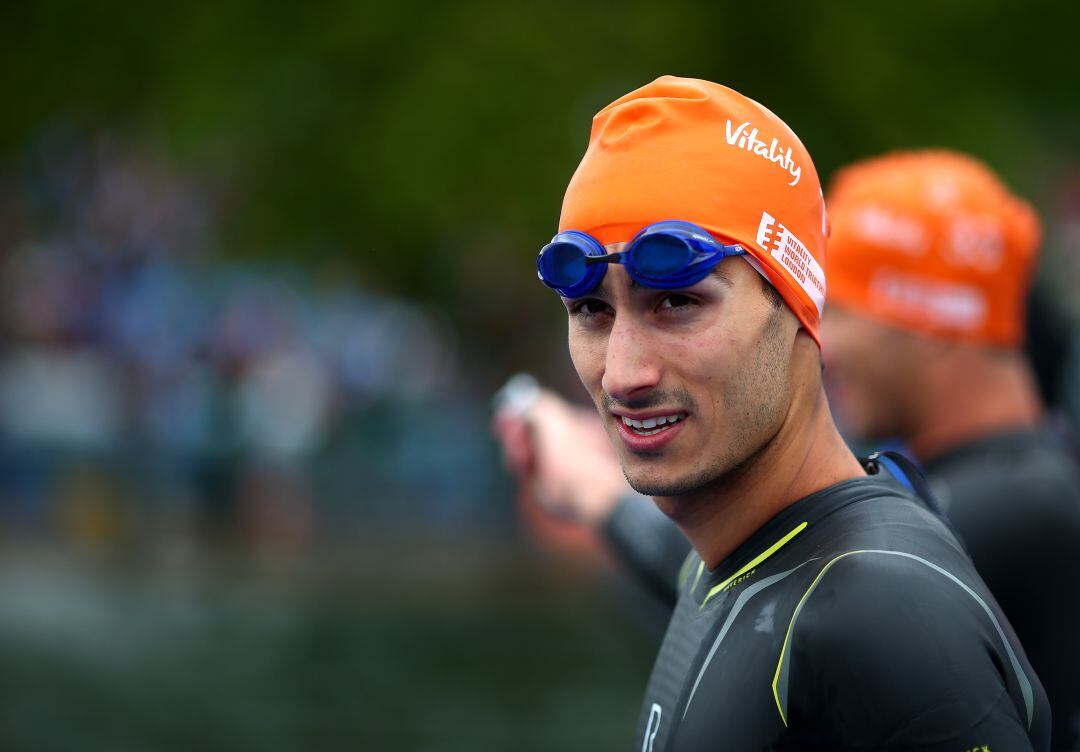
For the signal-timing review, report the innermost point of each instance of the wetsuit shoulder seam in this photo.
(780, 681)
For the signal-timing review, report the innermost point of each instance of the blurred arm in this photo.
(648, 544)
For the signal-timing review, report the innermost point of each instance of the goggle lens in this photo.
(563, 264)
(661, 255)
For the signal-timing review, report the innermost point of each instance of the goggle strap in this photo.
(756, 265)
(611, 258)
(723, 251)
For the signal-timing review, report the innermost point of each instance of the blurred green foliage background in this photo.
(426, 145)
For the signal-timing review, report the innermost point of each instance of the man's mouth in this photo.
(652, 426)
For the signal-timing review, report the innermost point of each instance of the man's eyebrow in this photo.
(722, 275)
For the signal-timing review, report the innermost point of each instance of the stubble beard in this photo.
(755, 401)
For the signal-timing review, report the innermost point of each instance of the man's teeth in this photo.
(651, 423)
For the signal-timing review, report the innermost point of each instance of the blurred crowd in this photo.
(152, 389)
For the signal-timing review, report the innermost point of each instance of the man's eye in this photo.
(589, 307)
(676, 300)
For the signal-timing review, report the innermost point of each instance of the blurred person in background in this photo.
(706, 372)
(930, 263)
(930, 259)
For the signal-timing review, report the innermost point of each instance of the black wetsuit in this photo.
(851, 620)
(648, 544)
(1014, 500)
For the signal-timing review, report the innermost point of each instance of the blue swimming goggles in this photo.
(666, 255)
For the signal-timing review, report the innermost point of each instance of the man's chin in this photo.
(653, 485)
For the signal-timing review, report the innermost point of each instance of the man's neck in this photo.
(983, 395)
(806, 455)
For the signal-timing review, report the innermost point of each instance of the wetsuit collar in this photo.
(786, 527)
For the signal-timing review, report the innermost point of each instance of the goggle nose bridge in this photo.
(609, 258)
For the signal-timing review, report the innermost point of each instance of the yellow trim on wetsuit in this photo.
(684, 570)
(700, 569)
(1021, 677)
(751, 564)
(791, 625)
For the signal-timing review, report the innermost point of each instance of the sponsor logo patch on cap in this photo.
(793, 255)
(956, 306)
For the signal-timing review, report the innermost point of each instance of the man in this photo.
(824, 606)
(956, 388)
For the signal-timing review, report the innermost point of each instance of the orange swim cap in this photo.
(932, 242)
(682, 148)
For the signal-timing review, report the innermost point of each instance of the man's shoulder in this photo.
(1026, 505)
(1012, 474)
(914, 637)
(889, 579)
(871, 589)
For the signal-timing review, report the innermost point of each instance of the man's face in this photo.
(871, 375)
(704, 372)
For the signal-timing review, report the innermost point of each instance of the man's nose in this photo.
(633, 365)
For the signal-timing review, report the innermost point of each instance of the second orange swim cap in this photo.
(692, 150)
(932, 242)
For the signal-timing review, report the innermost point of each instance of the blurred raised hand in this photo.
(560, 455)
